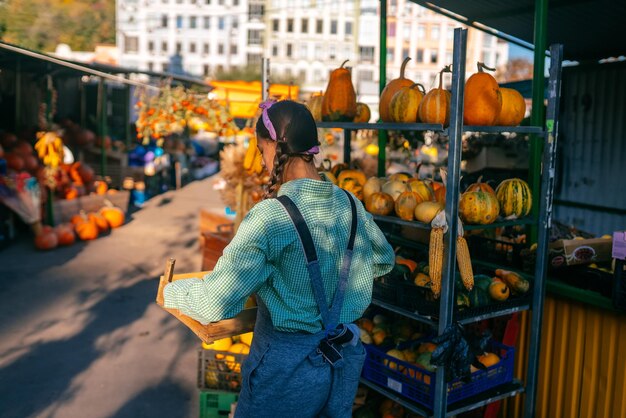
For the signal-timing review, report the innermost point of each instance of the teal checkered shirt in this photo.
(266, 257)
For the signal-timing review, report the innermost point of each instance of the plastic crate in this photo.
(385, 289)
(219, 370)
(216, 404)
(496, 251)
(418, 384)
(619, 285)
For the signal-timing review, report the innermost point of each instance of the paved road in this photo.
(80, 335)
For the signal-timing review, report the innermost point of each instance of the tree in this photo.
(516, 69)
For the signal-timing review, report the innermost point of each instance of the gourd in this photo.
(499, 291)
(422, 188)
(513, 108)
(479, 186)
(86, 230)
(515, 197)
(46, 239)
(404, 104)
(353, 186)
(315, 105)
(405, 205)
(394, 188)
(65, 234)
(435, 106)
(339, 103)
(390, 89)
(426, 211)
(514, 280)
(363, 113)
(371, 186)
(403, 177)
(357, 175)
(114, 215)
(100, 221)
(478, 207)
(379, 203)
(482, 101)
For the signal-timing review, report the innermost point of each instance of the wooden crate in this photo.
(65, 209)
(216, 232)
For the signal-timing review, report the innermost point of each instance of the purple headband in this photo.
(270, 127)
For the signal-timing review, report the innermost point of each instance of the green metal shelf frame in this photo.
(422, 225)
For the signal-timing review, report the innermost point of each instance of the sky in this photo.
(516, 51)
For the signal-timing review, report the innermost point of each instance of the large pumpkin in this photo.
(339, 103)
(405, 205)
(514, 197)
(478, 207)
(100, 221)
(363, 113)
(86, 230)
(315, 105)
(379, 204)
(422, 189)
(46, 239)
(371, 186)
(390, 89)
(114, 215)
(435, 106)
(394, 188)
(513, 108)
(357, 175)
(404, 104)
(479, 186)
(65, 234)
(482, 100)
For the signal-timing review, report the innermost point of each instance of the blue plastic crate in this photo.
(216, 404)
(418, 384)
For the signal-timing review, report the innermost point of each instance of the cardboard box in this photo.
(573, 252)
(65, 209)
(619, 245)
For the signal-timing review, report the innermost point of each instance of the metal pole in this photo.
(127, 109)
(18, 93)
(382, 134)
(50, 199)
(545, 219)
(102, 121)
(455, 131)
(347, 145)
(537, 112)
(265, 79)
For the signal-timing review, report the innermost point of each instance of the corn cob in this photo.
(464, 262)
(435, 259)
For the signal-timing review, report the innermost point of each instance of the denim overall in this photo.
(297, 374)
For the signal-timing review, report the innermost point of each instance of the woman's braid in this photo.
(280, 159)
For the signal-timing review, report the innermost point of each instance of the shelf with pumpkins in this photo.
(475, 105)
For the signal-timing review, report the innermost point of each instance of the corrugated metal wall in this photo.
(592, 146)
(582, 368)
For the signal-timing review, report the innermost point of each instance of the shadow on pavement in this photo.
(144, 405)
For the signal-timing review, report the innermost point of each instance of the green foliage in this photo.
(43, 24)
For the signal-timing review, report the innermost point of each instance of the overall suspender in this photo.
(335, 335)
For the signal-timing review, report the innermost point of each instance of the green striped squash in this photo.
(478, 207)
(515, 197)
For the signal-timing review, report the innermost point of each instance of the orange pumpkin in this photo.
(390, 89)
(435, 106)
(74, 173)
(46, 240)
(404, 104)
(100, 187)
(315, 105)
(479, 186)
(114, 215)
(65, 234)
(339, 102)
(379, 204)
(86, 230)
(78, 218)
(101, 223)
(513, 108)
(405, 205)
(363, 113)
(482, 100)
(70, 193)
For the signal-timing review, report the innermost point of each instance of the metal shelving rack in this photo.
(446, 308)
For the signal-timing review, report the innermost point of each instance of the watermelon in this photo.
(479, 297)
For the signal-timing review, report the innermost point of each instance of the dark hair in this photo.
(296, 133)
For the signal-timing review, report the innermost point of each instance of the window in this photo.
(207, 22)
(333, 27)
(433, 57)
(406, 31)
(221, 23)
(392, 29)
(348, 28)
(421, 31)
(405, 53)
(166, 67)
(220, 49)
(275, 25)
(205, 49)
(179, 48)
(179, 22)
(290, 25)
(192, 48)
(366, 53)
(235, 23)
(319, 54)
(150, 46)
(366, 75)
(205, 70)
(131, 44)
(332, 52)
(450, 34)
(305, 25)
(302, 75)
(192, 22)
(420, 55)
(319, 26)
(274, 50)
(317, 76)
(390, 54)
(254, 37)
(304, 51)
(150, 66)
(434, 32)
(256, 11)
(289, 50)
(164, 21)
(235, 2)
(254, 59)
(233, 49)
(164, 47)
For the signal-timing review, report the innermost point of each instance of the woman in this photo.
(310, 255)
